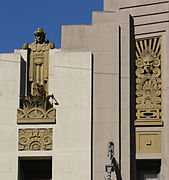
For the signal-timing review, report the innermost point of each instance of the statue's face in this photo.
(148, 58)
(38, 38)
(148, 63)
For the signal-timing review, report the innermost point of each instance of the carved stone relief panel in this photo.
(148, 81)
(35, 139)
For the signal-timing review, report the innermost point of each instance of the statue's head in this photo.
(111, 147)
(39, 35)
(110, 144)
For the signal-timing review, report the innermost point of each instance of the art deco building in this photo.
(95, 109)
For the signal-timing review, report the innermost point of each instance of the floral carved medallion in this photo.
(35, 139)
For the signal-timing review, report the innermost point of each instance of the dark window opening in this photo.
(35, 169)
(148, 169)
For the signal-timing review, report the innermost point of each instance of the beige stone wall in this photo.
(150, 18)
(111, 84)
(9, 93)
(95, 93)
(70, 82)
(114, 5)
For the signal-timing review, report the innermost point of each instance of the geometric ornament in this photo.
(148, 81)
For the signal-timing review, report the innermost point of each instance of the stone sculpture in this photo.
(37, 107)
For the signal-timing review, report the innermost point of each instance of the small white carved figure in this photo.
(110, 152)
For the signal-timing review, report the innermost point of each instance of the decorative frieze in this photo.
(148, 81)
(35, 139)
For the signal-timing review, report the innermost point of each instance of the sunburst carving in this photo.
(148, 80)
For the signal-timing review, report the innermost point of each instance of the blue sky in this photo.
(20, 18)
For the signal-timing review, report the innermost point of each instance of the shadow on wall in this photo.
(117, 169)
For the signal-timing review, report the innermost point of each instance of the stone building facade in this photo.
(60, 108)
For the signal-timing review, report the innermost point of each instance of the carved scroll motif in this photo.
(35, 139)
(148, 81)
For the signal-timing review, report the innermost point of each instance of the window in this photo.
(35, 169)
